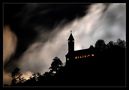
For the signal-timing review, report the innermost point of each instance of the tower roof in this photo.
(71, 37)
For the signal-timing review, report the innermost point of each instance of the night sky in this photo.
(36, 33)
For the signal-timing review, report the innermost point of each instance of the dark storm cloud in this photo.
(29, 20)
(52, 14)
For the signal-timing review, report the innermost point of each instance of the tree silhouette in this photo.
(14, 74)
(56, 64)
(36, 76)
(110, 44)
(100, 45)
(121, 43)
(91, 47)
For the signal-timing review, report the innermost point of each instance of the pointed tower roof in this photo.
(71, 36)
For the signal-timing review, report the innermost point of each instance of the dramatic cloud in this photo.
(9, 43)
(102, 21)
(9, 46)
(29, 21)
(87, 30)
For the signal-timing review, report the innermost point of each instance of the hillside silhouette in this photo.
(106, 68)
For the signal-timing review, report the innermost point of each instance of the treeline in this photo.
(106, 68)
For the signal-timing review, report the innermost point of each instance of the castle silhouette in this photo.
(78, 55)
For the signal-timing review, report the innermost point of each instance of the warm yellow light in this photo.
(26, 75)
(92, 54)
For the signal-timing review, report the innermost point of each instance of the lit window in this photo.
(92, 54)
(54, 72)
(67, 58)
(88, 55)
(75, 57)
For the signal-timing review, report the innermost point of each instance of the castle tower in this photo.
(70, 43)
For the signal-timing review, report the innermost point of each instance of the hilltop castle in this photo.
(78, 55)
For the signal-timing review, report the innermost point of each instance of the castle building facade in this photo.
(78, 55)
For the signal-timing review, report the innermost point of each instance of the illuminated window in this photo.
(75, 57)
(92, 54)
(88, 55)
(67, 58)
(54, 72)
